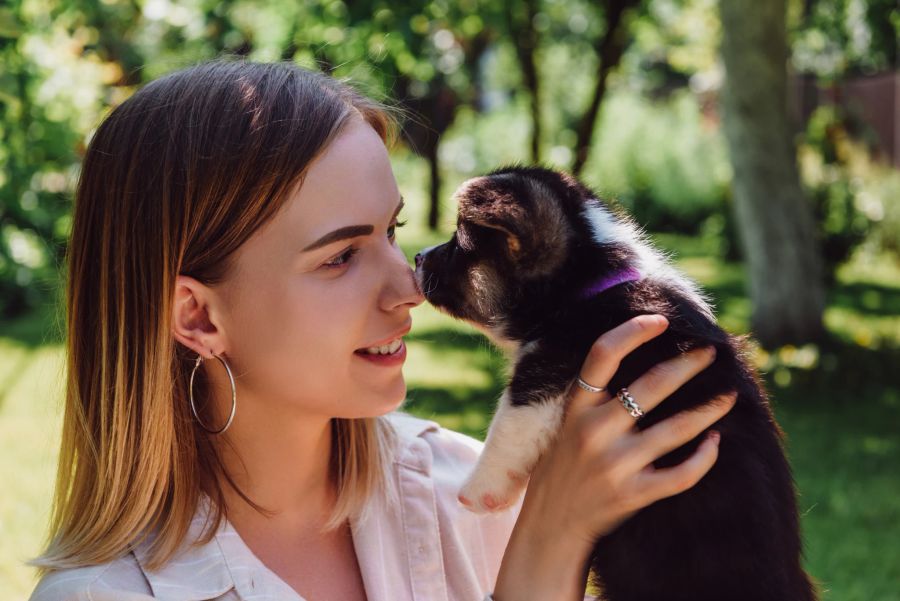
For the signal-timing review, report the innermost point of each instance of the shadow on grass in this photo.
(464, 408)
(880, 300)
(452, 339)
(844, 374)
(873, 299)
(842, 439)
(728, 287)
(445, 401)
(467, 410)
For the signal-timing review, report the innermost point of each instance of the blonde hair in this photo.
(175, 179)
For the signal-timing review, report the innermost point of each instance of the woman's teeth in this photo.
(387, 349)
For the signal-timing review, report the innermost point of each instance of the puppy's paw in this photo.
(486, 492)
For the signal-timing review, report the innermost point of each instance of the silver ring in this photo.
(634, 410)
(585, 386)
(233, 395)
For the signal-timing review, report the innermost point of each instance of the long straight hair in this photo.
(174, 181)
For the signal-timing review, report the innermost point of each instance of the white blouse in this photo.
(429, 549)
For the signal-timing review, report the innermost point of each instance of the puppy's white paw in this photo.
(488, 491)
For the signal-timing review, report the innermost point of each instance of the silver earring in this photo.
(233, 395)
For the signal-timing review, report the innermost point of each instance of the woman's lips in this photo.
(395, 358)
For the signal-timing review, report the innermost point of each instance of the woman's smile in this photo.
(387, 351)
(395, 354)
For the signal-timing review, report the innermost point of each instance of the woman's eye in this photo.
(392, 230)
(343, 258)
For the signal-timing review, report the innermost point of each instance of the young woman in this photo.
(231, 427)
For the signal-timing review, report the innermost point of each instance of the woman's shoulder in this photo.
(448, 449)
(446, 456)
(120, 579)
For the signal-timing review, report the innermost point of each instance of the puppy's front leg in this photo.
(520, 432)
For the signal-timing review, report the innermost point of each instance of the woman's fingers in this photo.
(607, 353)
(649, 445)
(651, 485)
(657, 384)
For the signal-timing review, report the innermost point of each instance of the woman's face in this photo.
(322, 280)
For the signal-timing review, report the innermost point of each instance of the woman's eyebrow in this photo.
(350, 231)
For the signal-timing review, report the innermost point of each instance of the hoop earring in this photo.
(233, 395)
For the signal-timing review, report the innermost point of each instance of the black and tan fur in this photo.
(528, 243)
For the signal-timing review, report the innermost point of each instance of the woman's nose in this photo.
(403, 288)
(409, 292)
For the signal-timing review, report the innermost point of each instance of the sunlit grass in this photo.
(29, 435)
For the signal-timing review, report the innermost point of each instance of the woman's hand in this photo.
(599, 472)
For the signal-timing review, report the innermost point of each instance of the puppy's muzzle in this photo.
(420, 257)
(420, 260)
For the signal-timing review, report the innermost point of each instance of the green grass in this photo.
(837, 402)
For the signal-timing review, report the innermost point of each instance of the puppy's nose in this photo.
(420, 257)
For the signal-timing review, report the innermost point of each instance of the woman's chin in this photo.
(379, 402)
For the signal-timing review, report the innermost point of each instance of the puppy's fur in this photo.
(529, 242)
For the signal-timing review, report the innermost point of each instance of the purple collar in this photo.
(615, 278)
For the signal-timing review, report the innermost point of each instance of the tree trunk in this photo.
(434, 185)
(610, 47)
(774, 220)
(434, 114)
(525, 39)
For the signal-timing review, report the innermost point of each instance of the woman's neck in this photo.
(282, 463)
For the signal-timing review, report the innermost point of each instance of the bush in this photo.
(664, 161)
(854, 199)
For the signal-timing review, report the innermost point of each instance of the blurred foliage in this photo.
(458, 66)
(854, 199)
(833, 38)
(832, 190)
(665, 161)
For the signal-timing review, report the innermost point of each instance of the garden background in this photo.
(713, 123)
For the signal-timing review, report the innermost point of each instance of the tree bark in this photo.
(610, 47)
(525, 38)
(434, 114)
(774, 219)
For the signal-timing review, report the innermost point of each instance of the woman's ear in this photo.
(193, 318)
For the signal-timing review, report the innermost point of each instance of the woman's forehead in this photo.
(351, 180)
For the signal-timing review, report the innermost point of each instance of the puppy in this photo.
(544, 267)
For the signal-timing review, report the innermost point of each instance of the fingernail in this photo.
(708, 352)
(728, 400)
(715, 436)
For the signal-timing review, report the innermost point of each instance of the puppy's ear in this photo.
(527, 212)
(513, 240)
(485, 205)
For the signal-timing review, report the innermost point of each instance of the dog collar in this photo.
(608, 281)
